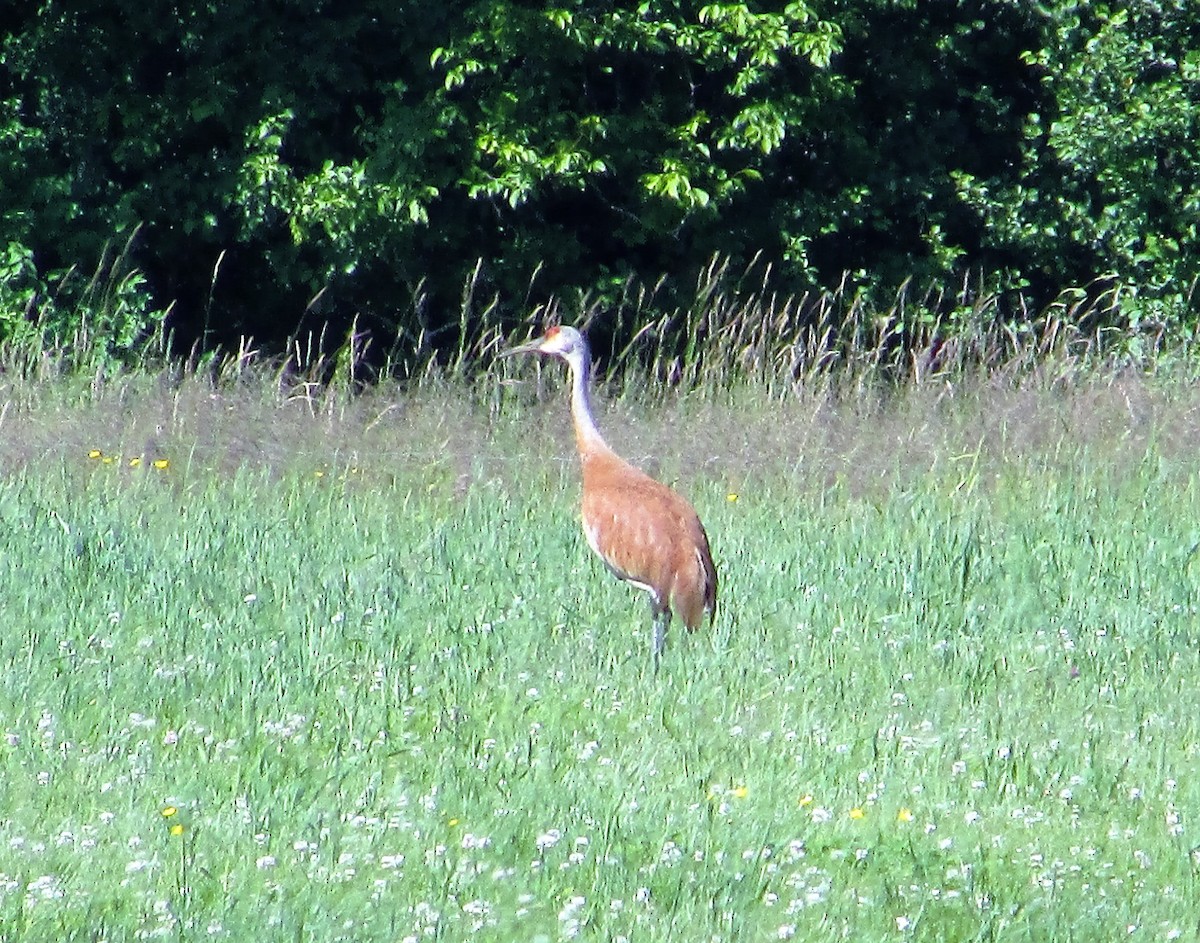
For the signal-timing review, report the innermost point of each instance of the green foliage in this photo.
(1109, 186)
(361, 164)
(78, 323)
(614, 104)
(18, 289)
(411, 144)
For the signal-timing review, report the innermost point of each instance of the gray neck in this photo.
(586, 433)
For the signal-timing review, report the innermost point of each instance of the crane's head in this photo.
(564, 342)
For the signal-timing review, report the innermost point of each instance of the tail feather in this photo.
(695, 593)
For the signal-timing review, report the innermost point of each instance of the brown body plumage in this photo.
(645, 533)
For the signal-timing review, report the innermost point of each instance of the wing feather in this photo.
(651, 537)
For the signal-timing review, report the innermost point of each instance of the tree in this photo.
(285, 166)
(1108, 186)
(269, 152)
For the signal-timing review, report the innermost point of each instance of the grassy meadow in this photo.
(285, 665)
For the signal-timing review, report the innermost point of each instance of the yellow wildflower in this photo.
(904, 815)
(731, 497)
(740, 792)
(135, 461)
(95, 453)
(857, 813)
(806, 800)
(161, 463)
(171, 814)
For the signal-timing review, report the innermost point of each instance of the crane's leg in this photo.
(661, 616)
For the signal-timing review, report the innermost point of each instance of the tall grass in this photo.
(80, 324)
(294, 656)
(360, 702)
(737, 331)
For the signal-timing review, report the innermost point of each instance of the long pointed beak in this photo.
(533, 347)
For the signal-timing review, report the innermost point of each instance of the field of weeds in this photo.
(284, 661)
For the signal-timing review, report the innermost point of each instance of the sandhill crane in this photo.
(645, 533)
